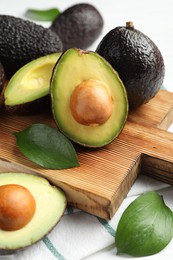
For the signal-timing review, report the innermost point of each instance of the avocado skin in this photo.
(22, 41)
(137, 60)
(38, 106)
(2, 77)
(78, 26)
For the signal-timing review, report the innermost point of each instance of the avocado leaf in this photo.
(42, 15)
(47, 147)
(146, 226)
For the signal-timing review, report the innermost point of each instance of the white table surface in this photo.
(79, 235)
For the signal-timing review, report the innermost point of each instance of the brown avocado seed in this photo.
(17, 207)
(90, 103)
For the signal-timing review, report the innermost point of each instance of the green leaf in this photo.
(47, 147)
(42, 15)
(146, 226)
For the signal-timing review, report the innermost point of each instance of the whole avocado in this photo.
(78, 26)
(137, 60)
(22, 41)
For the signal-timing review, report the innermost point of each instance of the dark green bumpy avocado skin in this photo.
(22, 41)
(78, 26)
(137, 60)
(2, 77)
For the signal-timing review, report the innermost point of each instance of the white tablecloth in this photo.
(80, 235)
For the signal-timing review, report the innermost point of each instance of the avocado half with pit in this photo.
(27, 91)
(29, 209)
(89, 100)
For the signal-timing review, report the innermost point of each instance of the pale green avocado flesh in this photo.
(50, 205)
(31, 81)
(74, 67)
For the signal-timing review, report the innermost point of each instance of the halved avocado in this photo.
(28, 90)
(89, 100)
(50, 203)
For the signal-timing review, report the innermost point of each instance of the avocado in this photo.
(89, 101)
(2, 85)
(78, 26)
(27, 91)
(22, 41)
(2, 77)
(137, 60)
(22, 195)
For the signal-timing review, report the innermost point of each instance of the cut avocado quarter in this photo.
(89, 100)
(50, 203)
(28, 90)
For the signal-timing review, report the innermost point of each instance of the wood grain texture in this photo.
(105, 175)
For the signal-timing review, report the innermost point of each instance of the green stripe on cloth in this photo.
(52, 249)
(106, 225)
(70, 209)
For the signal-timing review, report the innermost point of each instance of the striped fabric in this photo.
(83, 236)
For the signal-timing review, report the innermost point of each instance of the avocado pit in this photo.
(90, 103)
(17, 207)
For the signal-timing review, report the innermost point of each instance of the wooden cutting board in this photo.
(105, 175)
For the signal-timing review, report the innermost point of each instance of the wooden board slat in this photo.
(105, 175)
